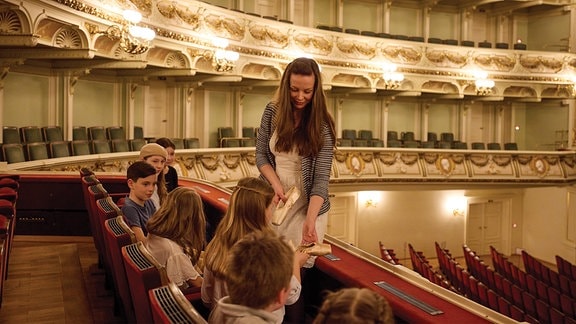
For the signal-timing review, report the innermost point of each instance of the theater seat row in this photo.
(129, 266)
(9, 185)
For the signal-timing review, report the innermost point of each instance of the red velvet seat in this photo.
(507, 289)
(492, 300)
(10, 183)
(504, 306)
(143, 273)
(567, 305)
(169, 305)
(8, 194)
(516, 313)
(529, 304)
(517, 297)
(105, 209)
(116, 235)
(543, 311)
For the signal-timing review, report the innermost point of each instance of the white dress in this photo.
(289, 171)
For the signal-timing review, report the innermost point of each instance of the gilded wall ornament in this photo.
(445, 165)
(355, 164)
(352, 47)
(265, 33)
(317, 44)
(495, 62)
(402, 54)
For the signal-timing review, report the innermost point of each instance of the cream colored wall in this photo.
(403, 116)
(219, 114)
(440, 119)
(545, 224)
(546, 33)
(25, 100)
(368, 11)
(399, 18)
(94, 104)
(444, 25)
(252, 108)
(416, 217)
(422, 217)
(359, 114)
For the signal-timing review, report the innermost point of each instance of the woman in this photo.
(176, 236)
(295, 149)
(250, 211)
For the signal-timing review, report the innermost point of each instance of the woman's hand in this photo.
(279, 194)
(309, 231)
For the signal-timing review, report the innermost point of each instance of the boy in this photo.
(258, 280)
(141, 178)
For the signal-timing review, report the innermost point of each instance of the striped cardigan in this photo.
(315, 170)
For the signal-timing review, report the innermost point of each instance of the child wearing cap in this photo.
(156, 156)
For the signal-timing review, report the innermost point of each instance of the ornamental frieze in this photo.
(446, 58)
(540, 63)
(225, 26)
(268, 35)
(313, 43)
(402, 54)
(496, 62)
(353, 48)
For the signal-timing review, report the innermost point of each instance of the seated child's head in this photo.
(259, 271)
(141, 178)
(155, 155)
(251, 202)
(170, 147)
(181, 219)
(355, 306)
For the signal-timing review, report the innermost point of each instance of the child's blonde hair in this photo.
(355, 306)
(259, 267)
(181, 219)
(246, 214)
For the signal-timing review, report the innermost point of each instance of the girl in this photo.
(250, 210)
(176, 236)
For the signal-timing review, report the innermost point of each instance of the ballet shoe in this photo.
(315, 248)
(282, 208)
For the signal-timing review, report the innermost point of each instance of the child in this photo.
(156, 156)
(250, 210)
(259, 274)
(170, 172)
(355, 306)
(138, 207)
(176, 236)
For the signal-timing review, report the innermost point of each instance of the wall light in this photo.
(370, 203)
(392, 79)
(133, 39)
(368, 199)
(458, 212)
(456, 205)
(222, 60)
(483, 84)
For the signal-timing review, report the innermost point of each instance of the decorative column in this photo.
(3, 75)
(130, 88)
(70, 79)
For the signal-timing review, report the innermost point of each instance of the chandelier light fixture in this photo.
(483, 84)
(133, 39)
(223, 60)
(392, 79)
